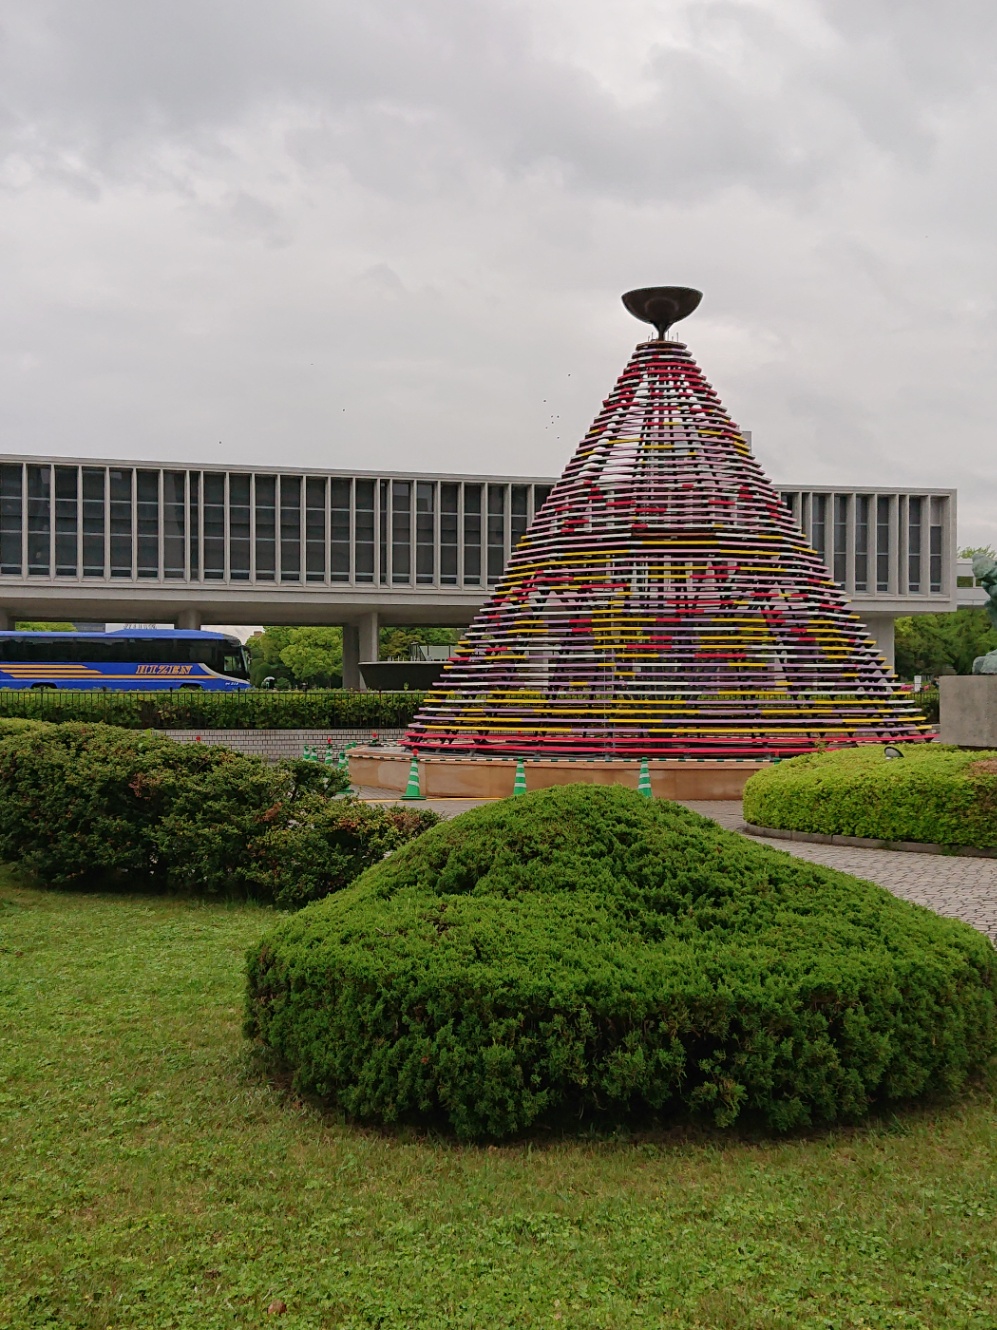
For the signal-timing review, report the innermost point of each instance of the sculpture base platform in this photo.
(443, 777)
(968, 710)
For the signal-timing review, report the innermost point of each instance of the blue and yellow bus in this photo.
(139, 659)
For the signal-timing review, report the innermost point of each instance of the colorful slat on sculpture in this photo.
(663, 603)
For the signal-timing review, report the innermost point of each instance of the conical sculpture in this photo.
(663, 603)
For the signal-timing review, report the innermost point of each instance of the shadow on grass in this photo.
(16, 878)
(644, 1131)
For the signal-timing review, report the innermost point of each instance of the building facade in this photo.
(130, 541)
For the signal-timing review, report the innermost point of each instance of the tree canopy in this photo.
(37, 626)
(314, 656)
(933, 644)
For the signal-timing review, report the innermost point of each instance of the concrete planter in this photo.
(968, 710)
(492, 777)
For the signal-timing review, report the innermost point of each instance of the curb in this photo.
(866, 843)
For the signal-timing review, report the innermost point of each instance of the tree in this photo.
(942, 643)
(295, 656)
(970, 550)
(314, 656)
(264, 657)
(394, 643)
(30, 626)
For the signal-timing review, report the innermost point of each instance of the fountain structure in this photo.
(662, 606)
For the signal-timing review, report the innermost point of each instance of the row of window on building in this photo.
(133, 523)
(876, 542)
(130, 522)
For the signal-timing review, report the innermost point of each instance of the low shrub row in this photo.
(927, 701)
(932, 793)
(187, 710)
(100, 806)
(583, 954)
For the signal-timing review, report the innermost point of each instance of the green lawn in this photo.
(151, 1178)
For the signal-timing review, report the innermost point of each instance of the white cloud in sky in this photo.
(395, 234)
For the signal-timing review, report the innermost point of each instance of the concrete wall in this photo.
(881, 629)
(443, 777)
(968, 710)
(277, 744)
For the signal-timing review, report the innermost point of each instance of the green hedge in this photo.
(327, 843)
(934, 793)
(927, 701)
(12, 725)
(98, 806)
(249, 710)
(581, 953)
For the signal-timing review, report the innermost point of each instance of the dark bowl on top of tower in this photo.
(662, 305)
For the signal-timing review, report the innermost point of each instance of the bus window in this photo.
(118, 655)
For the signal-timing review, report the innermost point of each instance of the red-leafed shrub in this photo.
(99, 806)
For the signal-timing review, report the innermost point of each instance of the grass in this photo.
(152, 1177)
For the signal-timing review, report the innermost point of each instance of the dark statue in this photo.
(985, 572)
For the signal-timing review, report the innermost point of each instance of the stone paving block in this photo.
(958, 887)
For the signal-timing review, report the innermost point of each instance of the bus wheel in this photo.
(190, 688)
(41, 685)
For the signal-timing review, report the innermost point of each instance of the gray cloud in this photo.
(397, 233)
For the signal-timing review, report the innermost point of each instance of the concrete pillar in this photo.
(351, 657)
(189, 618)
(360, 642)
(369, 627)
(6, 620)
(881, 630)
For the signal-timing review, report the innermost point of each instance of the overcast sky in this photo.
(389, 233)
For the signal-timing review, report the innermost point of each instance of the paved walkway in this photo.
(959, 887)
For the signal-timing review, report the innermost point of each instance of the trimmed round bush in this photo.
(100, 806)
(934, 793)
(321, 845)
(581, 953)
